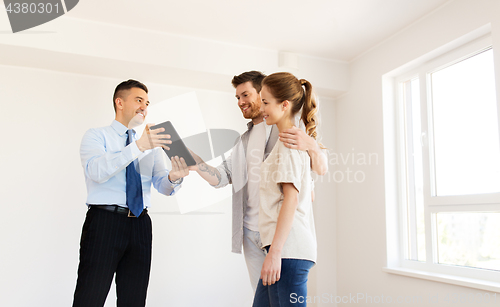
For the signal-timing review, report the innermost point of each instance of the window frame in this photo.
(396, 175)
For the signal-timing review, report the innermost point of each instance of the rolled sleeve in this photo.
(224, 170)
(290, 167)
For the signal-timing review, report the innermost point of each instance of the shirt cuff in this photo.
(175, 183)
(174, 186)
(175, 189)
(223, 178)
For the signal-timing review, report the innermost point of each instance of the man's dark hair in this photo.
(253, 76)
(125, 86)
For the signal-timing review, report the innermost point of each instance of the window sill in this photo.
(448, 279)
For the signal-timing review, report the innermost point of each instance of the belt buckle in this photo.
(130, 214)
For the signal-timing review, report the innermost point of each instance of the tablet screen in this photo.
(177, 148)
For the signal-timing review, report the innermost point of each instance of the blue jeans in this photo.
(286, 291)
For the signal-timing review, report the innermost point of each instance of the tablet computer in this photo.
(177, 148)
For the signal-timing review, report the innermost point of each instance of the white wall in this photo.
(57, 83)
(79, 46)
(43, 196)
(361, 235)
(43, 192)
(46, 111)
(323, 280)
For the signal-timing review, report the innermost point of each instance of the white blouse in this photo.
(285, 165)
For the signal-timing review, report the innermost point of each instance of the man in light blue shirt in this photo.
(119, 170)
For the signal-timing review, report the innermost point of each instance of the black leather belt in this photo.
(118, 209)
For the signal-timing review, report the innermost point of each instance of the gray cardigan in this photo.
(234, 171)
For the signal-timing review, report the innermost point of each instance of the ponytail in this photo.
(309, 109)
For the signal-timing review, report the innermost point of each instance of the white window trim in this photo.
(444, 278)
(396, 263)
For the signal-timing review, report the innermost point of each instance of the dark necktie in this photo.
(134, 185)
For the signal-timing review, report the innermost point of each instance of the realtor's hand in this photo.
(151, 139)
(179, 169)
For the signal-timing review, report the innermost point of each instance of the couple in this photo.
(112, 241)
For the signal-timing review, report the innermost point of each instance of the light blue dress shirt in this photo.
(104, 159)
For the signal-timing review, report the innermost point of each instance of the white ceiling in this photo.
(334, 29)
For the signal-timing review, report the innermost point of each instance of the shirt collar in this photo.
(119, 127)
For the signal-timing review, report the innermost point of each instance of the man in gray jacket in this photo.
(242, 168)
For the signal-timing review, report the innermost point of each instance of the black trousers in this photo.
(114, 243)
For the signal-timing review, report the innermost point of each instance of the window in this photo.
(447, 166)
(465, 127)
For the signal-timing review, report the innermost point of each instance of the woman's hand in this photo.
(271, 269)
